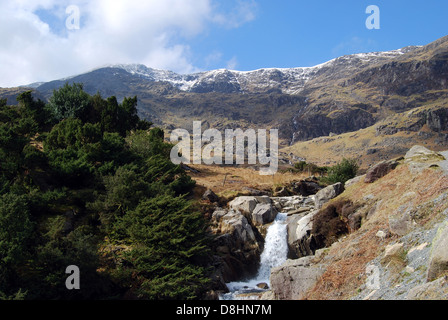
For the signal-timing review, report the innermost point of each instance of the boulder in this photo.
(210, 196)
(328, 193)
(256, 192)
(306, 187)
(435, 290)
(401, 223)
(247, 204)
(300, 241)
(380, 170)
(237, 243)
(419, 158)
(263, 285)
(263, 213)
(419, 151)
(393, 252)
(438, 263)
(353, 181)
(294, 278)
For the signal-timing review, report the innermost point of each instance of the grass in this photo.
(327, 151)
(230, 180)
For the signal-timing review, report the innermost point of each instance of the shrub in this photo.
(341, 172)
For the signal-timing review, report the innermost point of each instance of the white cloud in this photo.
(152, 32)
(232, 63)
(243, 11)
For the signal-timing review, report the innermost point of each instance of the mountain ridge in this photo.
(341, 95)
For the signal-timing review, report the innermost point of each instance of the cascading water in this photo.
(274, 254)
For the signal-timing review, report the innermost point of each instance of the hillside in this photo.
(402, 236)
(388, 139)
(342, 95)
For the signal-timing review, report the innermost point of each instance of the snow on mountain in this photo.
(285, 80)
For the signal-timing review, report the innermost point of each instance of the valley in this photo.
(107, 169)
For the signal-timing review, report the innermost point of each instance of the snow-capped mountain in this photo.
(284, 80)
(344, 94)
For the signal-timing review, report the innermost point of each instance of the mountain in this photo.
(343, 95)
(282, 80)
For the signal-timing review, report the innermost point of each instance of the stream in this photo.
(274, 254)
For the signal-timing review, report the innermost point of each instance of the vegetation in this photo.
(341, 172)
(331, 222)
(310, 168)
(85, 182)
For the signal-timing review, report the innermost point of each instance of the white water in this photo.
(274, 254)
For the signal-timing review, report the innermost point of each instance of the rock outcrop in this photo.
(294, 278)
(438, 263)
(237, 243)
(328, 193)
(380, 170)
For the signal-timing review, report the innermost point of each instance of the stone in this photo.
(328, 193)
(381, 234)
(210, 196)
(256, 192)
(435, 290)
(393, 251)
(263, 213)
(294, 278)
(306, 187)
(236, 242)
(419, 158)
(401, 223)
(354, 181)
(438, 263)
(247, 204)
(380, 170)
(263, 285)
(355, 220)
(300, 241)
(418, 151)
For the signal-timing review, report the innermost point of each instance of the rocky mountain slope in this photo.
(382, 235)
(398, 249)
(343, 95)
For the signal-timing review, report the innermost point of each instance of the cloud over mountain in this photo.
(38, 47)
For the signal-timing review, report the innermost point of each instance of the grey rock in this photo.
(210, 196)
(247, 204)
(328, 193)
(380, 170)
(294, 278)
(401, 223)
(435, 290)
(300, 240)
(263, 213)
(438, 263)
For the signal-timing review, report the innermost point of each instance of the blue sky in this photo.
(306, 33)
(194, 35)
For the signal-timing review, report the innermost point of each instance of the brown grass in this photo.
(351, 256)
(227, 179)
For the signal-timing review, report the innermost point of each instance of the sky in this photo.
(44, 40)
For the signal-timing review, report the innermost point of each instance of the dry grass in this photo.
(228, 179)
(327, 151)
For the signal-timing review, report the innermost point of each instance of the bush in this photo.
(342, 172)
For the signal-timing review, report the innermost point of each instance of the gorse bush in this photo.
(85, 182)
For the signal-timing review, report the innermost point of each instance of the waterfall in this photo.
(274, 254)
